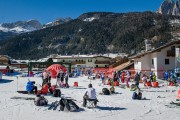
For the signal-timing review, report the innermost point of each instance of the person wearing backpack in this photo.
(137, 79)
(90, 94)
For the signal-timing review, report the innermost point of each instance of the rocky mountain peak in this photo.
(170, 7)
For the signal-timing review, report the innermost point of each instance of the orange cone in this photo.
(178, 95)
(75, 84)
(155, 84)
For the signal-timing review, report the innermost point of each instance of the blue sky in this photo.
(48, 10)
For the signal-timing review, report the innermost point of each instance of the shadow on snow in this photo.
(5, 81)
(110, 108)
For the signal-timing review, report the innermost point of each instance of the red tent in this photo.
(54, 69)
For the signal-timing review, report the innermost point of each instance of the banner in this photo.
(177, 54)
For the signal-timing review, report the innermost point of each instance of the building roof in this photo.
(155, 50)
(123, 66)
(5, 56)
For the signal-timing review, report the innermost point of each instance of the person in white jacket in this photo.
(90, 94)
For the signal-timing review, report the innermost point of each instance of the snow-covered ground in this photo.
(118, 106)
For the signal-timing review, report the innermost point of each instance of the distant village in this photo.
(159, 60)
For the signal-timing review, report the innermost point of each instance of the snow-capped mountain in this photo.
(58, 21)
(21, 26)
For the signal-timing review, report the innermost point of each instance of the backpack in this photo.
(57, 93)
(134, 96)
(68, 104)
(112, 89)
(41, 101)
(105, 91)
(139, 97)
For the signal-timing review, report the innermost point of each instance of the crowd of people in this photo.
(117, 76)
(62, 78)
(171, 77)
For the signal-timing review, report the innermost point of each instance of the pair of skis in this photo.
(53, 105)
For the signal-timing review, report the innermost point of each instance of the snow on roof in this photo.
(113, 55)
(81, 56)
(5, 66)
(42, 60)
(21, 61)
(75, 56)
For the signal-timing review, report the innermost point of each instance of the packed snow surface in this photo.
(118, 106)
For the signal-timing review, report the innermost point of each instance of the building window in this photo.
(152, 61)
(166, 61)
(89, 60)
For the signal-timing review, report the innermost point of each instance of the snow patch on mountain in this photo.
(3, 29)
(89, 19)
(176, 21)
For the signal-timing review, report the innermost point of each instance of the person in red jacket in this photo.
(122, 77)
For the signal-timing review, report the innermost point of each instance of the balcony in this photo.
(102, 62)
(78, 62)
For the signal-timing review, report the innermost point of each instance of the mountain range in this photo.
(94, 32)
(8, 30)
(91, 33)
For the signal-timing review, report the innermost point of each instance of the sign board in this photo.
(177, 52)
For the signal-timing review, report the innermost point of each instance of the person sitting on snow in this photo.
(137, 95)
(30, 87)
(154, 77)
(112, 90)
(90, 94)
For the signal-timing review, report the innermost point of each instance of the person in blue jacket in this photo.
(166, 75)
(30, 87)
